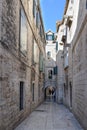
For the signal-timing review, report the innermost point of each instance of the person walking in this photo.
(54, 96)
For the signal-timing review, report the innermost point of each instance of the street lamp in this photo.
(61, 43)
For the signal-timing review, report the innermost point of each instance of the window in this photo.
(37, 19)
(40, 30)
(34, 8)
(21, 95)
(49, 54)
(36, 52)
(41, 62)
(23, 32)
(55, 70)
(50, 37)
(32, 49)
(32, 91)
(69, 23)
(50, 74)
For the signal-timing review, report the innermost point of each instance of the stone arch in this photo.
(49, 91)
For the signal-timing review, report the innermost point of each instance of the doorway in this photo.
(70, 95)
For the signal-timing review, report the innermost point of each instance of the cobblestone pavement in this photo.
(50, 116)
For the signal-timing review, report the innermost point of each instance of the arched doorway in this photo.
(50, 93)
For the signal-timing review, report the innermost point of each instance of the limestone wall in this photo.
(60, 77)
(80, 77)
(15, 66)
(76, 98)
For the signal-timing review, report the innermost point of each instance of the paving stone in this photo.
(50, 117)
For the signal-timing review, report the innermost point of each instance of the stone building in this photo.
(50, 63)
(74, 43)
(60, 77)
(60, 63)
(79, 55)
(22, 55)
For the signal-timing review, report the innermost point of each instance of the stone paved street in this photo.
(50, 116)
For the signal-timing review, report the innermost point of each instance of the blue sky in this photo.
(52, 11)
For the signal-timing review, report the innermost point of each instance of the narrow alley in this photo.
(43, 64)
(50, 116)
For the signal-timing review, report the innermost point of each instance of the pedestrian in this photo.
(54, 96)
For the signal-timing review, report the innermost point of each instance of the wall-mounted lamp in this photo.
(61, 43)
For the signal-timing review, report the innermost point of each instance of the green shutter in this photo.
(46, 37)
(53, 36)
(55, 70)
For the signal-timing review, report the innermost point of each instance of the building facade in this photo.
(22, 56)
(75, 58)
(50, 63)
(60, 64)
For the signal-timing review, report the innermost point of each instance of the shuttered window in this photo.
(55, 70)
(50, 37)
(23, 32)
(41, 62)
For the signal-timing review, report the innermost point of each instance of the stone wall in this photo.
(12, 72)
(60, 77)
(15, 66)
(80, 77)
(70, 76)
(13, 69)
(0, 17)
(79, 55)
(76, 94)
